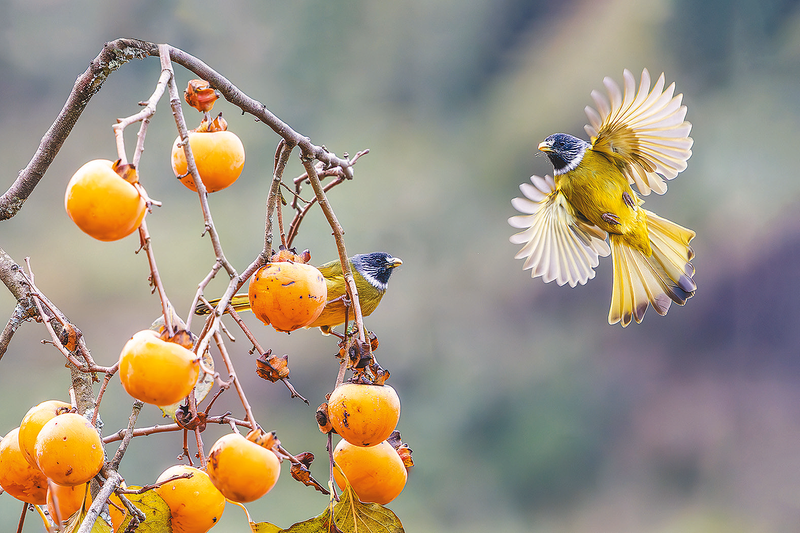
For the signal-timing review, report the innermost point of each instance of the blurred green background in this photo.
(526, 411)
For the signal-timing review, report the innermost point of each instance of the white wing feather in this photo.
(556, 245)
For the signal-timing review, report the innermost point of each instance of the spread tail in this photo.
(658, 280)
(240, 302)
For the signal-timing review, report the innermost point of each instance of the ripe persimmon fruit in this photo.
(194, 503)
(287, 295)
(36, 417)
(69, 450)
(218, 155)
(102, 203)
(242, 470)
(364, 415)
(18, 477)
(376, 473)
(63, 501)
(156, 371)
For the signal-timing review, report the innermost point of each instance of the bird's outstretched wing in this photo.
(558, 244)
(646, 128)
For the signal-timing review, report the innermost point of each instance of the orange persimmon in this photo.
(156, 371)
(18, 477)
(242, 470)
(376, 473)
(36, 417)
(364, 415)
(64, 501)
(194, 502)
(102, 202)
(218, 155)
(287, 295)
(69, 450)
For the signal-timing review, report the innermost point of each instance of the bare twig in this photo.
(301, 213)
(136, 514)
(126, 439)
(20, 315)
(113, 56)
(47, 318)
(177, 113)
(151, 486)
(260, 350)
(236, 383)
(102, 391)
(109, 486)
(142, 116)
(155, 278)
(200, 451)
(338, 235)
(249, 105)
(200, 289)
(143, 432)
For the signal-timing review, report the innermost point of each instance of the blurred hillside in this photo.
(526, 411)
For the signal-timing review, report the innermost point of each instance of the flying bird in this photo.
(588, 208)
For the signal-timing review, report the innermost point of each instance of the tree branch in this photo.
(113, 56)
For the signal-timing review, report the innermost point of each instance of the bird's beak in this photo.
(393, 262)
(545, 146)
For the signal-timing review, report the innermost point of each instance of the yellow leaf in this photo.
(349, 516)
(352, 516)
(318, 524)
(156, 512)
(75, 521)
(264, 527)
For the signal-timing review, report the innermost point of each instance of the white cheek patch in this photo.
(374, 282)
(573, 163)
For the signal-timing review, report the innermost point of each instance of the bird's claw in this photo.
(628, 199)
(611, 218)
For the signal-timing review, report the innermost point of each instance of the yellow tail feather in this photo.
(658, 280)
(240, 302)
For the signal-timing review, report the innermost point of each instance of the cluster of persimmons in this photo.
(55, 453)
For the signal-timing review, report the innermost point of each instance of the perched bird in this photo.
(371, 273)
(571, 219)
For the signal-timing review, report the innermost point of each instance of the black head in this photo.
(564, 151)
(376, 267)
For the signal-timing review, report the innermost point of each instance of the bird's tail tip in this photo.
(658, 280)
(240, 302)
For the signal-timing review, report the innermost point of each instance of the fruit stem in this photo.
(22, 517)
(332, 464)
